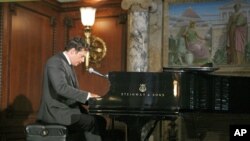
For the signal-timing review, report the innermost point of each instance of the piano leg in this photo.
(134, 126)
(172, 132)
(151, 130)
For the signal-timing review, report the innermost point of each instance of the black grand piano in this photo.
(138, 97)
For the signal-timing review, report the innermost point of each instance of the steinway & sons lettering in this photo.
(143, 94)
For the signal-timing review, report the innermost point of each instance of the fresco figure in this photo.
(195, 43)
(237, 36)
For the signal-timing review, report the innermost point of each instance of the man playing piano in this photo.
(62, 99)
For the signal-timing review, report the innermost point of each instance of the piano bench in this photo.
(53, 132)
(38, 132)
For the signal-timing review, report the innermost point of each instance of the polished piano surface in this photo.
(136, 93)
(137, 97)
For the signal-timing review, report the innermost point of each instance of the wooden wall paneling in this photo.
(1, 51)
(32, 45)
(27, 46)
(110, 30)
(5, 51)
(8, 11)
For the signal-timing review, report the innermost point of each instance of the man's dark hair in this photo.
(77, 43)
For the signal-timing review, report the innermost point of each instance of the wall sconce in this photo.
(97, 47)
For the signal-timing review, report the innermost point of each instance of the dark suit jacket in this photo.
(61, 96)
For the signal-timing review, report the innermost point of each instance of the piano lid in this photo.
(190, 68)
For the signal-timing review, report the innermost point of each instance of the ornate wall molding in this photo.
(139, 5)
(53, 25)
(68, 23)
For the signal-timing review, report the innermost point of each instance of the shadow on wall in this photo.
(13, 117)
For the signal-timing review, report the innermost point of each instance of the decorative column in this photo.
(137, 51)
(137, 57)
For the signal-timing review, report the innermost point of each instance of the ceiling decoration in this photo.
(87, 3)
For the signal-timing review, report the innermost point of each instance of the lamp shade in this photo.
(87, 16)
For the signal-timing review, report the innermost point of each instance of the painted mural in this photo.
(209, 32)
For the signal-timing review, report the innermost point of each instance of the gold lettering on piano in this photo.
(159, 95)
(143, 94)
